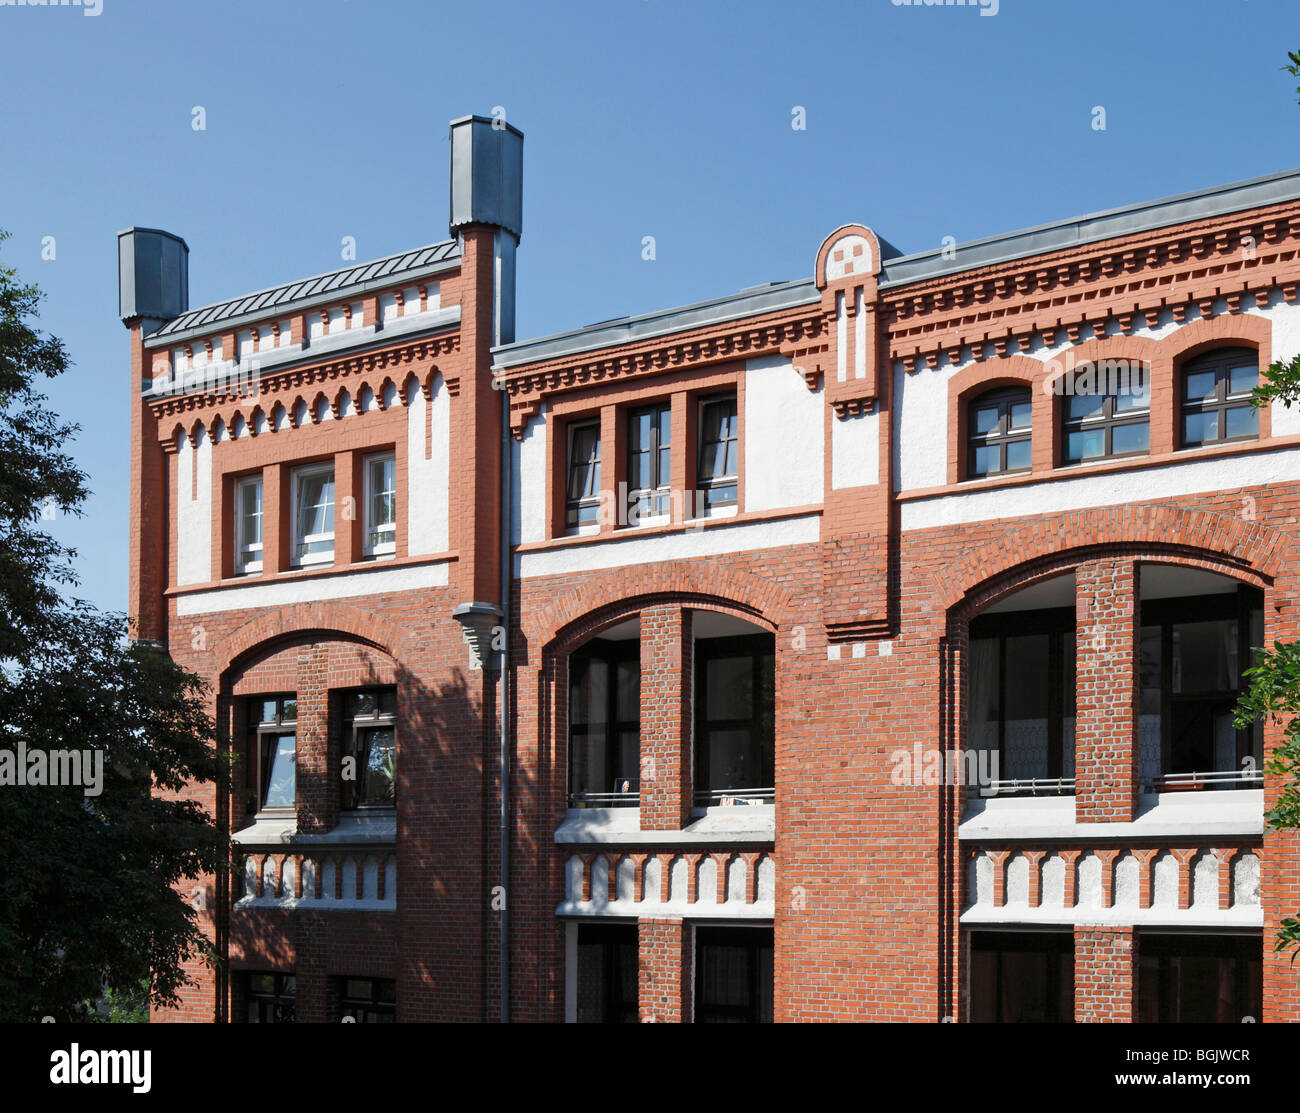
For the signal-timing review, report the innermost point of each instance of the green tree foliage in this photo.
(88, 882)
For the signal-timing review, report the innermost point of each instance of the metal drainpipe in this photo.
(505, 702)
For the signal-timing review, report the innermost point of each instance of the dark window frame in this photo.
(611, 654)
(277, 1006)
(1157, 979)
(758, 647)
(615, 940)
(657, 496)
(755, 940)
(1221, 361)
(356, 744)
(1059, 992)
(1111, 418)
(262, 735)
(708, 484)
(577, 505)
(1060, 626)
(374, 1007)
(1181, 610)
(1005, 398)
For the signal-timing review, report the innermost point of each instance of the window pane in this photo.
(1021, 415)
(1200, 428)
(280, 782)
(1137, 396)
(987, 460)
(1205, 657)
(1199, 385)
(1026, 663)
(270, 711)
(364, 703)
(584, 470)
(728, 688)
(290, 709)
(985, 420)
(1243, 379)
(381, 773)
(1243, 421)
(1019, 455)
(1085, 445)
(1080, 406)
(388, 701)
(1130, 438)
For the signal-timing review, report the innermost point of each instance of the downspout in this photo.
(504, 684)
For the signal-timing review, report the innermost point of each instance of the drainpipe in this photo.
(504, 685)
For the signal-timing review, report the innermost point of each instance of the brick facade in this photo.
(870, 881)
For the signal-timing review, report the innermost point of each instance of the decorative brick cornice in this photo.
(1132, 281)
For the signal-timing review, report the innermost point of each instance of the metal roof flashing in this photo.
(900, 270)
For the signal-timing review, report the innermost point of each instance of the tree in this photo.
(89, 871)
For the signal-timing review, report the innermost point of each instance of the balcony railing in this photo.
(604, 799)
(1028, 786)
(1220, 779)
(725, 797)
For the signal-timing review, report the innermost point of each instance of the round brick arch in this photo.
(617, 593)
(332, 619)
(1231, 543)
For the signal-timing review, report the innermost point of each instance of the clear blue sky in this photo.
(642, 117)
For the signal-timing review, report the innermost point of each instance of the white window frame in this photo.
(383, 548)
(308, 559)
(244, 566)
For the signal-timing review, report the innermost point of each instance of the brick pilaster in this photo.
(1105, 975)
(666, 683)
(1106, 718)
(664, 963)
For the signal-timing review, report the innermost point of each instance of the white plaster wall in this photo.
(529, 464)
(194, 515)
(784, 436)
(855, 451)
(1286, 344)
(921, 427)
(1017, 891)
(428, 471)
(315, 589)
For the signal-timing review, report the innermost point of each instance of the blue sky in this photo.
(641, 117)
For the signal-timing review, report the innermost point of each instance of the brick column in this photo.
(666, 682)
(1106, 623)
(318, 788)
(1105, 975)
(311, 983)
(664, 965)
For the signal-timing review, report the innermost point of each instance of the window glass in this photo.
(381, 523)
(281, 775)
(315, 515)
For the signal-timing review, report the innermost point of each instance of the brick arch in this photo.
(624, 590)
(333, 619)
(1232, 545)
(1232, 330)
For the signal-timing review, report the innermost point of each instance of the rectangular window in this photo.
(649, 463)
(1199, 979)
(271, 998)
(1022, 689)
(1111, 413)
(733, 975)
(313, 514)
(1217, 390)
(605, 724)
(272, 753)
(735, 735)
(607, 974)
(718, 473)
(370, 740)
(248, 525)
(381, 505)
(583, 491)
(368, 1000)
(1194, 650)
(1022, 977)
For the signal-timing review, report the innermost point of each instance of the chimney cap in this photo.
(487, 162)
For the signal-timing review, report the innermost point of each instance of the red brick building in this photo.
(869, 641)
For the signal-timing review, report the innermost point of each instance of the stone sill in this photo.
(352, 830)
(752, 824)
(1230, 813)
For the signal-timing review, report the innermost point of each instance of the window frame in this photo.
(260, 764)
(705, 486)
(754, 940)
(1221, 361)
(1110, 420)
(756, 647)
(242, 567)
(614, 941)
(1005, 398)
(374, 1008)
(1059, 987)
(611, 654)
(371, 548)
(283, 996)
(658, 495)
(354, 728)
(574, 506)
(1160, 951)
(310, 560)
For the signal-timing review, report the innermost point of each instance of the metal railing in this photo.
(1223, 778)
(604, 799)
(726, 797)
(1028, 786)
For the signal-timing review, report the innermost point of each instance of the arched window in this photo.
(1216, 390)
(998, 432)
